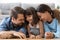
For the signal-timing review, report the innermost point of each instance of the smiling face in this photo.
(19, 20)
(46, 16)
(45, 13)
(29, 18)
(17, 16)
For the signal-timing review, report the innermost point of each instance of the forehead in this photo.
(28, 15)
(40, 13)
(20, 16)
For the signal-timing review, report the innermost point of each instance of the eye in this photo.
(30, 15)
(21, 19)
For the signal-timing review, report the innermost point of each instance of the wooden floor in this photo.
(29, 39)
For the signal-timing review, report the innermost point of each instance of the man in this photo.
(50, 23)
(14, 24)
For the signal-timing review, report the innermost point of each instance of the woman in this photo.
(46, 14)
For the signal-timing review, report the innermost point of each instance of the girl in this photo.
(35, 26)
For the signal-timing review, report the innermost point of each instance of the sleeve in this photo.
(3, 26)
(46, 28)
(57, 34)
(23, 30)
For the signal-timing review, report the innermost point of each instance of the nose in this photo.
(41, 18)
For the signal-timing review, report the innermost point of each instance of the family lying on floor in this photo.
(30, 23)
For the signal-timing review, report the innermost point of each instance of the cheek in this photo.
(47, 16)
(27, 18)
(15, 22)
(18, 22)
(43, 18)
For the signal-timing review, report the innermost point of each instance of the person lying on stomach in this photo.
(13, 25)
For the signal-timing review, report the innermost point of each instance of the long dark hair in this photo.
(32, 11)
(43, 7)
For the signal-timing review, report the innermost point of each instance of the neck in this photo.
(32, 24)
(50, 20)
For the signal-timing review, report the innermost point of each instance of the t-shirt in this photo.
(53, 27)
(7, 25)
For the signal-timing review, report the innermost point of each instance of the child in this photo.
(35, 26)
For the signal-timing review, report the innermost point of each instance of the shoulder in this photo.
(40, 22)
(5, 20)
(55, 20)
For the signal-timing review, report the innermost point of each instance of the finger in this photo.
(32, 37)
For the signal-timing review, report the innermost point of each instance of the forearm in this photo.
(6, 34)
(42, 35)
(9, 32)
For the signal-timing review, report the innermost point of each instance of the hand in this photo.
(49, 35)
(20, 35)
(32, 36)
(38, 37)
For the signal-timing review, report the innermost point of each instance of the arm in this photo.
(30, 35)
(28, 30)
(57, 33)
(10, 34)
(6, 34)
(41, 29)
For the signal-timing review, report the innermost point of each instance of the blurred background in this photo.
(6, 5)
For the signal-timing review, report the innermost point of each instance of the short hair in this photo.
(43, 7)
(15, 11)
(32, 11)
